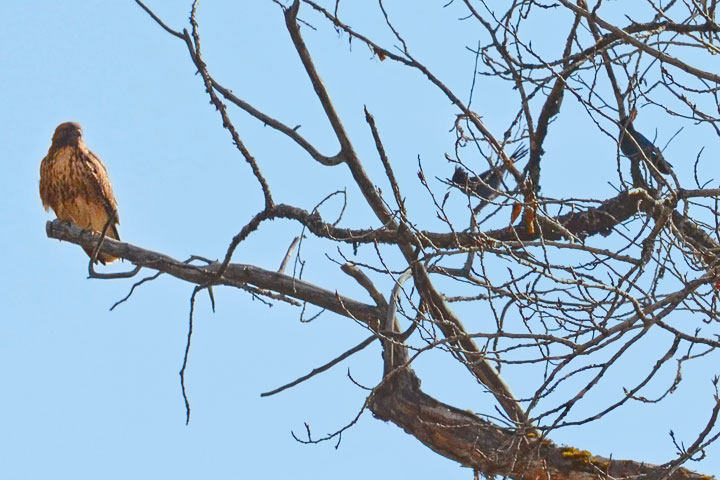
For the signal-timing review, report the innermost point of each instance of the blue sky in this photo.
(89, 393)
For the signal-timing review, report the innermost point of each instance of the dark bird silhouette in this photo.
(635, 146)
(485, 185)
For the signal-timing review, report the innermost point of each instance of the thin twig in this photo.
(323, 368)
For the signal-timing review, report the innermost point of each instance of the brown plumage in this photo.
(75, 184)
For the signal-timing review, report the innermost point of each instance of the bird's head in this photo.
(627, 122)
(68, 133)
(460, 177)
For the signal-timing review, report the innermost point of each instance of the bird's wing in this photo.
(642, 140)
(495, 178)
(632, 142)
(99, 183)
(45, 194)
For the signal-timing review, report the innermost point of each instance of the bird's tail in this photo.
(101, 257)
(519, 153)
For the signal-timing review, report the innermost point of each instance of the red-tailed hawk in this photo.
(74, 182)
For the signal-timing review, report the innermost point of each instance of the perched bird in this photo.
(75, 184)
(631, 139)
(486, 184)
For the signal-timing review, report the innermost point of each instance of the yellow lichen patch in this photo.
(570, 452)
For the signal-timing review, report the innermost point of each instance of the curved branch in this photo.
(276, 124)
(347, 152)
(495, 451)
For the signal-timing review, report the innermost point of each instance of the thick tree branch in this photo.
(582, 224)
(236, 274)
(492, 450)
(475, 360)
